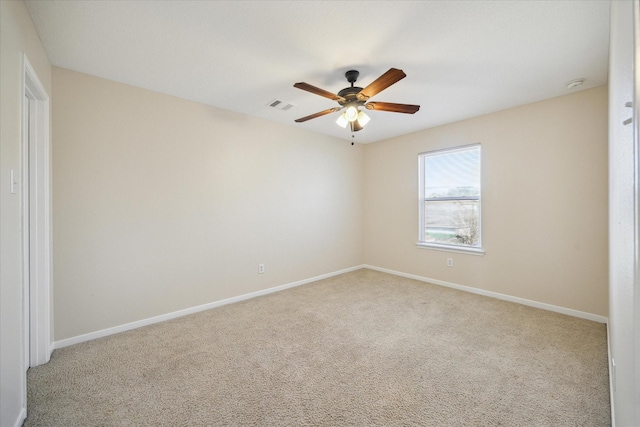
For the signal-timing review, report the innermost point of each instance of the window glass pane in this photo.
(452, 174)
(450, 198)
(454, 222)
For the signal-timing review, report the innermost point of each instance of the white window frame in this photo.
(475, 250)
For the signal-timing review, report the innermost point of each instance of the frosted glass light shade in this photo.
(351, 114)
(342, 121)
(363, 119)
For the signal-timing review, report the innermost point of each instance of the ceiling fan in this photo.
(352, 98)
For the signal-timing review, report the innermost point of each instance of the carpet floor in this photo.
(360, 349)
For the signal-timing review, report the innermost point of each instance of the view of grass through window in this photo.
(450, 193)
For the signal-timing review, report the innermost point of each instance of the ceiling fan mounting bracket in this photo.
(352, 76)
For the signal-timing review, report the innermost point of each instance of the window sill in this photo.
(445, 248)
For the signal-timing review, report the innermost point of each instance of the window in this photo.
(450, 199)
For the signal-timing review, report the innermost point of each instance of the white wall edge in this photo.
(21, 417)
(180, 313)
(613, 413)
(531, 303)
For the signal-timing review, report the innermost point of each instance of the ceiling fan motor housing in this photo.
(349, 93)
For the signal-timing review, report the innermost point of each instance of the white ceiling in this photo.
(462, 58)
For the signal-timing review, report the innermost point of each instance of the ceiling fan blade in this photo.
(394, 108)
(318, 91)
(321, 113)
(381, 83)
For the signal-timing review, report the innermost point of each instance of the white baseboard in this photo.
(531, 303)
(168, 316)
(145, 322)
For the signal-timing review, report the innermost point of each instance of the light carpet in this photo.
(360, 349)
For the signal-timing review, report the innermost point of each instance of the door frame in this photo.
(36, 219)
(635, 104)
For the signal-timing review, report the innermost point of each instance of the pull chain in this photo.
(352, 136)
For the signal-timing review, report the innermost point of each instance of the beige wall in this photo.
(17, 37)
(544, 207)
(162, 204)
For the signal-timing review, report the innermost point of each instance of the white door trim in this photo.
(635, 104)
(36, 213)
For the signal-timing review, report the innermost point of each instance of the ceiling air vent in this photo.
(280, 105)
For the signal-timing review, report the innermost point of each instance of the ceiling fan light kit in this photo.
(353, 97)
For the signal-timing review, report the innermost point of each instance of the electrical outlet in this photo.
(449, 262)
(260, 268)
